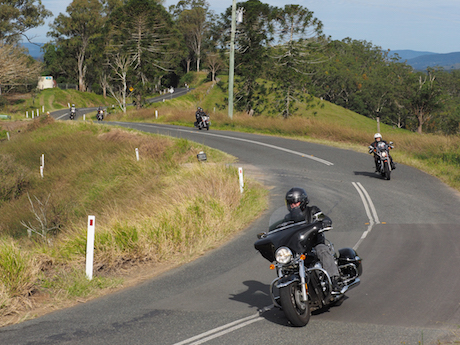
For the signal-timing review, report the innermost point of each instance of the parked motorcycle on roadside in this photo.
(203, 122)
(384, 164)
(302, 285)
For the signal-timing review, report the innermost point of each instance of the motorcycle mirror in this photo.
(391, 143)
(318, 216)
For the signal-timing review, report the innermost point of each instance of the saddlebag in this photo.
(349, 256)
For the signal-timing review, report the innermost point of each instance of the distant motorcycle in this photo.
(203, 122)
(382, 151)
(72, 115)
(100, 115)
(302, 284)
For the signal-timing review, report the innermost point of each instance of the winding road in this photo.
(407, 231)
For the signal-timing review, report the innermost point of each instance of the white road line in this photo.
(305, 155)
(220, 331)
(370, 211)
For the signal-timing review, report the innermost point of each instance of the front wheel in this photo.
(387, 171)
(296, 311)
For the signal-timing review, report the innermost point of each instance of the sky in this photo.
(420, 25)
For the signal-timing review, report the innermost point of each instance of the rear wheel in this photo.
(297, 311)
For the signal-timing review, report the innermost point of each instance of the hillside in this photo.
(422, 60)
(407, 54)
(446, 61)
(34, 49)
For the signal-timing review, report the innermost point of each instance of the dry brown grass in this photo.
(154, 211)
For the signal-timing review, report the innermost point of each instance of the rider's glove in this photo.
(327, 223)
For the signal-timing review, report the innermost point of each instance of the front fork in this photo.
(303, 282)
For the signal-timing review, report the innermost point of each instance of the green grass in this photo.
(153, 210)
(320, 122)
(50, 100)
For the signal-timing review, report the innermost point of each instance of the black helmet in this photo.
(295, 195)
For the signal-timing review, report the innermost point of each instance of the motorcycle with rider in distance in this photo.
(100, 114)
(202, 121)
(72, 112)
(302, 285)
(384, 161)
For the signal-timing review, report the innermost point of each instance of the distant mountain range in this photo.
(421, 60)
(34, 50)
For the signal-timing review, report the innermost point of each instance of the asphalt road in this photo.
(63, 114)
(406, 230)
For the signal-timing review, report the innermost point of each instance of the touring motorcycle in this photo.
(203, 122)
(382, 151)
(100, 115)
(302, 285)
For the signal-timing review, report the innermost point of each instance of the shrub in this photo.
(17, 271)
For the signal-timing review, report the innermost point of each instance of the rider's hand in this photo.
(327, 223)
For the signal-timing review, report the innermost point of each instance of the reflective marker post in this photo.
(240, 173)
(90, 247)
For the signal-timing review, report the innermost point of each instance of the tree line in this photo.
(282, 59)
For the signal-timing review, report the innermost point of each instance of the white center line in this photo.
(220, 331)
(370, 211)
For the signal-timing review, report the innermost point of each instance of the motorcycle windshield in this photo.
(296, 236)
(381, 146)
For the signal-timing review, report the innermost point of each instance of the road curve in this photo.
(406, 230)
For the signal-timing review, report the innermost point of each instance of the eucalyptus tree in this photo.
(214, 63)
(143, 39)
(193, 20)
(252, 41)
(60, 62)
(19, 16)
(425, 99)
(82, 25)
(299, 45)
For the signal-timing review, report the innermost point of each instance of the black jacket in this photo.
(307, 215)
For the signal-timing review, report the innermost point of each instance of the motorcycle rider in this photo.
(73, 110)
(199, 112)
(100, 112)
(296, 203)
(378, 138)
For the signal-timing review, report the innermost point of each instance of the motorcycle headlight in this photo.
(283, 255)
(384, 154)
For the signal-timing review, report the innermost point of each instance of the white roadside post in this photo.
(8, 135)
(42, 164)
(90, 247)
(240, 173)
(32, 114)
(43, 109)
(84, 117)
(156, 114)
(27, 114)
(137, 154)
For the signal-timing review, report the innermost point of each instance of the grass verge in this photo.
(151, 211)
(320, 122)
